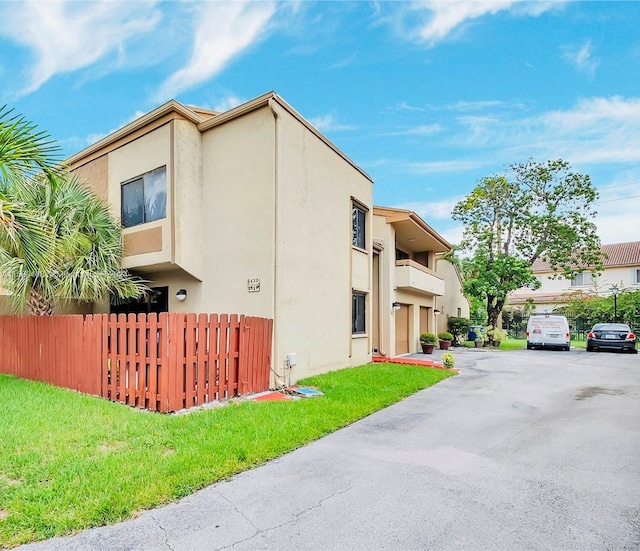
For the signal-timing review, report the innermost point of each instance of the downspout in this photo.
(276, 307)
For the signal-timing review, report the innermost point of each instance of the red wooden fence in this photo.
(164, 363)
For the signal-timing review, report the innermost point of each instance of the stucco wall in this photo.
(95, 174)
(453, 299)
(188, 208)
(318, 265)
(138, 157)
(238, 215)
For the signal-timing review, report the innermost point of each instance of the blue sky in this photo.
(427, 97)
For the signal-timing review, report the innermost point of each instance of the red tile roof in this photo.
(617, 254)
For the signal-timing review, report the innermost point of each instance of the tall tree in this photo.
(58, 241)
(543, 210)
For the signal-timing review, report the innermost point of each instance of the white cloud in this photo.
(445, 16)
(222, 31)
(581, 57)
(421, 130)
(327, 123)
(65, 35)
(618, 208)
(594, 130)
(435, 167)
(432, 210)
(229, 102)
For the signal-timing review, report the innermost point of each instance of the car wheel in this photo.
(589, 349)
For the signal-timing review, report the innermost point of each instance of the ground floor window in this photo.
(358, 313)
(156, 300)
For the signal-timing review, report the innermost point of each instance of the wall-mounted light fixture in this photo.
(181, 294)
(436, 311)
(396, 306)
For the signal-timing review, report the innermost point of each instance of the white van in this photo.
(548, 330)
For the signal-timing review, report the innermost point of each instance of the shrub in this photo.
(495, 335)
(428, 338)
(444, 336)
(448, 359)
(459, 327)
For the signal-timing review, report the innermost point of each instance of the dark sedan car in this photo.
(613, 336)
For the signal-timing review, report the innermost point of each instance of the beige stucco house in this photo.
(414, 288)
(253, 211)
(621, 272)
(248, 211)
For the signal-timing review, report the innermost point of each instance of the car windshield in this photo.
(610, 327)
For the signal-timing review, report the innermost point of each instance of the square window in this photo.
(358, 312)
(358, 225)
(582, 279)
(144, 199)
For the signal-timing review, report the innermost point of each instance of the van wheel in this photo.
(567, 348)
(529, 347)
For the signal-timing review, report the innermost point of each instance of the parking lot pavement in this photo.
(524, 450)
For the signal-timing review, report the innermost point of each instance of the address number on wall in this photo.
(253, 285)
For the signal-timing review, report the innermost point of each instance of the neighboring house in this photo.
(249, 211)
(621, 270)
(410, 282)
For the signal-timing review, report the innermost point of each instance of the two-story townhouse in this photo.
(248, 211)
(621, 271)
(408, 288)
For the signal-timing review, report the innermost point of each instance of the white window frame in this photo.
(359, 225)
(579, 280)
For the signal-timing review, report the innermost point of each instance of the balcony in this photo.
(415, 277)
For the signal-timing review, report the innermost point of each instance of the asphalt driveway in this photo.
(523, 450)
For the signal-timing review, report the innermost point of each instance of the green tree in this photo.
(589, 311)
(58, 241)
(542, 211)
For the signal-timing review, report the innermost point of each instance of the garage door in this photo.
(402, 330)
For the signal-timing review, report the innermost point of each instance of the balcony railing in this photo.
(414, 276)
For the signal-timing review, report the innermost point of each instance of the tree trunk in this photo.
(494, 309)
(38, 304)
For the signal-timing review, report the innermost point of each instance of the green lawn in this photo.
(70, 462)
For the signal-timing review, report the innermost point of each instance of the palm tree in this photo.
(58, 240)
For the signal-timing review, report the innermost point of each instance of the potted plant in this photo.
(478, 342)
(445, 339)
(428, 342)
(448, 360)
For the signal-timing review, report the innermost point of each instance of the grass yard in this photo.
(69, 462)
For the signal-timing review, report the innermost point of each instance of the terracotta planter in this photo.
(444, 345)
(478, 344)
(427, 348)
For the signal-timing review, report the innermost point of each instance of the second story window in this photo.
(358, 225)
(401, 255)
(580, 280)
(144, 199)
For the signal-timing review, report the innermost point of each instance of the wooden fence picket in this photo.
(164, 363)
